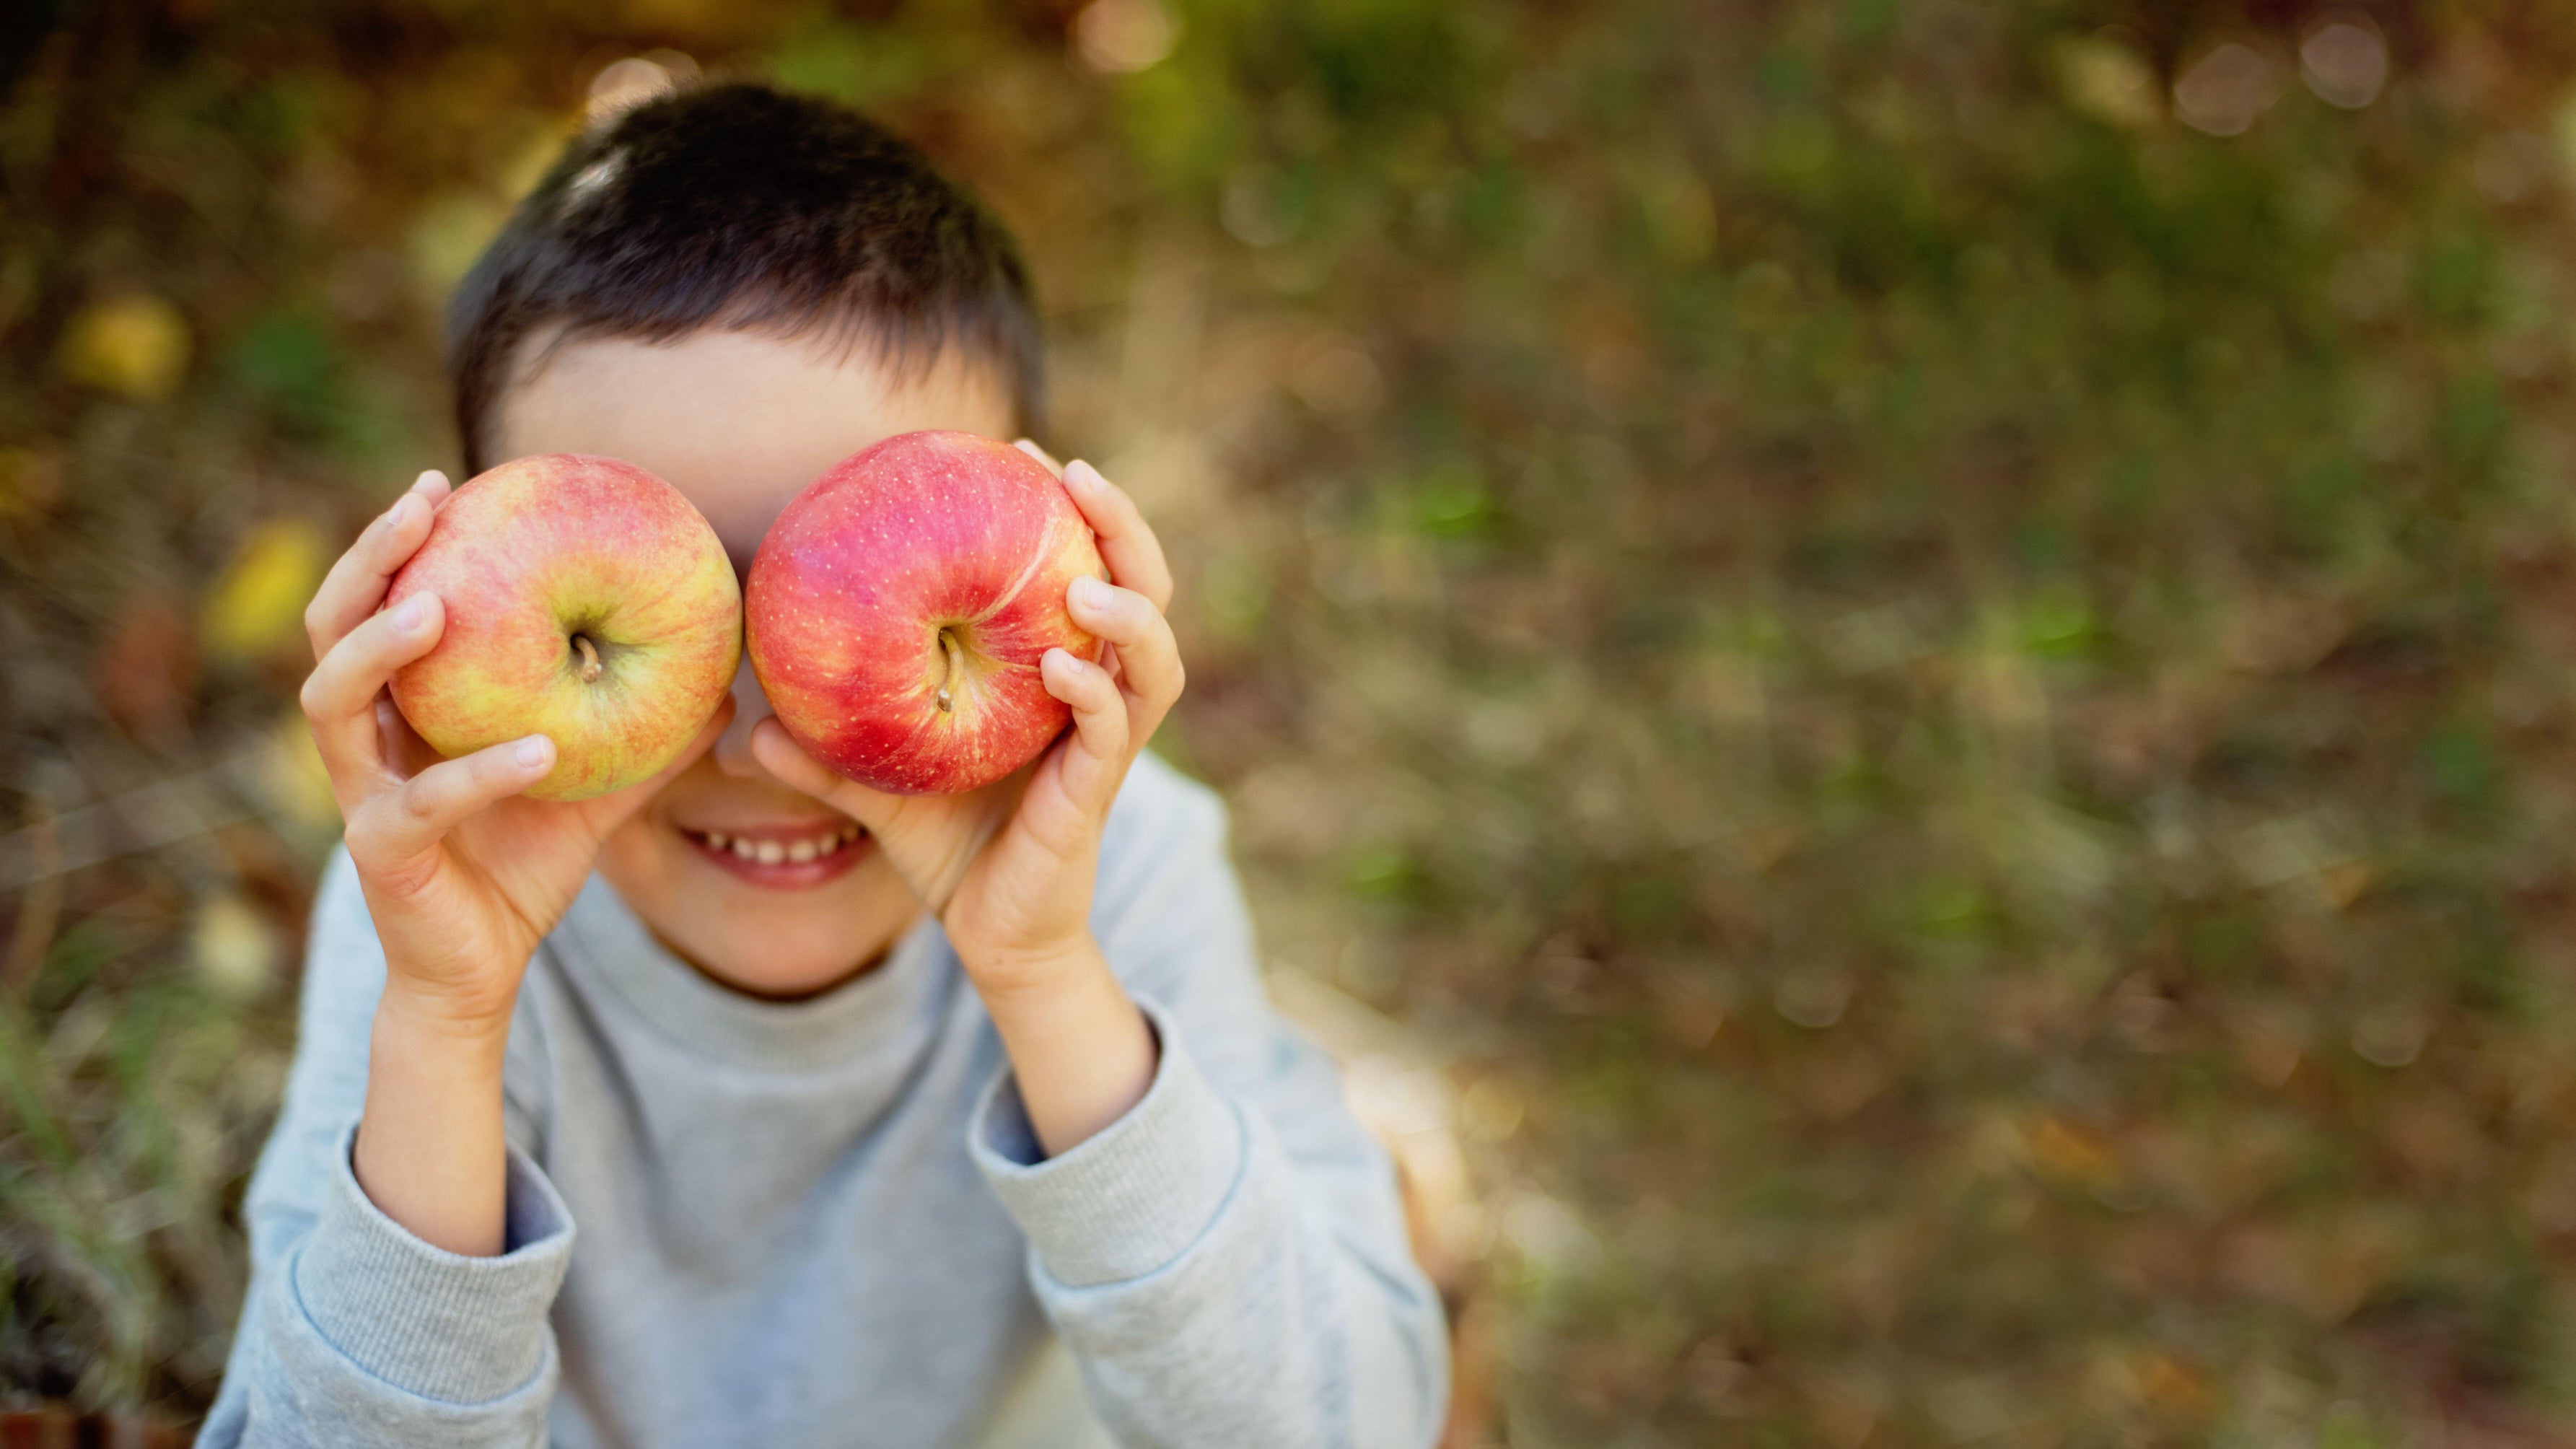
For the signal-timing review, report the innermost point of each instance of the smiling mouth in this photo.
(775, 849)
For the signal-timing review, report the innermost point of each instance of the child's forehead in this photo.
(740, 422)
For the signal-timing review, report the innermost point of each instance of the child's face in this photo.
(740, 423)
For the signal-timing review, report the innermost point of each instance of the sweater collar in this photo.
(604, 943)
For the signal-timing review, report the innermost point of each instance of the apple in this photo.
(586, 601)
(898, 608)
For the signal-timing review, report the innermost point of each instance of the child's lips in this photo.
(782, 859)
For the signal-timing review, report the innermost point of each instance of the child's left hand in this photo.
(1009, 869)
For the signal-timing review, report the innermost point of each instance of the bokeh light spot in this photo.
(2345, 62)
(2226, 89)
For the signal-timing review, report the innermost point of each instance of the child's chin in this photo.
(794, 955)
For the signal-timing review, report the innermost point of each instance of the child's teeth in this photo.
(772, 852)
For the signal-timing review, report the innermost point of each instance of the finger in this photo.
(930, 840)
(1042, 455)
(1127, 542)
(340, 695)
(1148, 659)
(1097, 758)
(356, 584)
(399, 824)
(787, 762)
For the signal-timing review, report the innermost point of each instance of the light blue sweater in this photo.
(739, 1222)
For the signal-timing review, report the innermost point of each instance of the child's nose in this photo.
(750, 707)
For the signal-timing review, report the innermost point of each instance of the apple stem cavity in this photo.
(956, 669)
(589, 652)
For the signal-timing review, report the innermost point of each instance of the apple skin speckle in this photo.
(919, 535)
(530, 554)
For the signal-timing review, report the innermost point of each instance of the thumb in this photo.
(786, 760)
(930, 840)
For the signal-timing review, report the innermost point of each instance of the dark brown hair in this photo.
(734, 206)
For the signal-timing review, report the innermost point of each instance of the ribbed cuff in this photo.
(457, 1329)
(1133, 1196)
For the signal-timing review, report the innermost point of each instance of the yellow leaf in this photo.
(2108, 81)
(2069, 1153)
(135, 346)
(236, 949)
(257, 607)
(293, 780)
(2175, 1386)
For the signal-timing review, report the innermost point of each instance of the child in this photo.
(746, 1105)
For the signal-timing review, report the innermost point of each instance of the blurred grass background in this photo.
(1909, 654)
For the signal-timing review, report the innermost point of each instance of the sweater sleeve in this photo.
(354, 1331)
(1228, 1261)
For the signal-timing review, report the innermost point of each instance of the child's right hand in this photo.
(462, 875)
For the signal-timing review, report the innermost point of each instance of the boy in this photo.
(879, 1120)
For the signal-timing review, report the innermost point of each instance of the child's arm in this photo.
(463, 877)
(401, 1280)
(1010, 869)
(354, 1330)
(1229, 1262)
(1219, 1241)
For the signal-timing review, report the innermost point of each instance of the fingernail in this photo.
(533, 751)
(400, 513)
(1085, 477)
(411, 613)
(1089, 592)
(423, 480)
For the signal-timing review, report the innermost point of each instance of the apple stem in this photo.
(956, 668)
(589, 658)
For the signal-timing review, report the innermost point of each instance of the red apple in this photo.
(899, 607)
(586, 601)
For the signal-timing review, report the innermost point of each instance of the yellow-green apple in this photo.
(898, 608)
(586, 601)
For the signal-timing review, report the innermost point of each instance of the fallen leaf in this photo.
(236, 949)
(135, 346)
(257, 607)
(147, 668)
